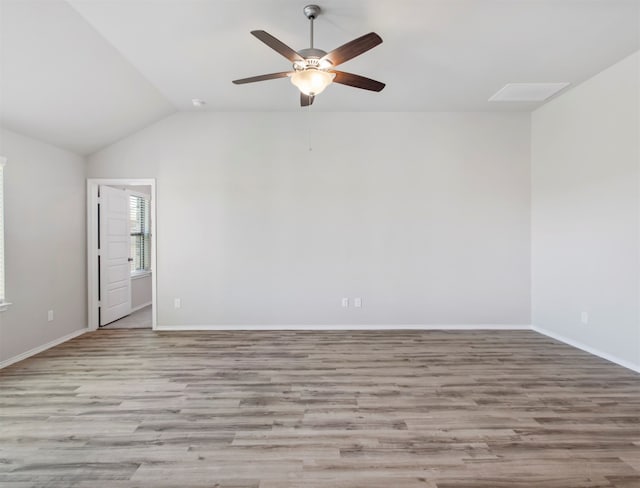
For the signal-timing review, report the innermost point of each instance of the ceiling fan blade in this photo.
(357, 81)
(277, 45)
(353, 48)
(270, 76)
(305, 100)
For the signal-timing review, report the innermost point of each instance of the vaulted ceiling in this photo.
(83, 73)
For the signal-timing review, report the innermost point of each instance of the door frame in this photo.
(92, 245)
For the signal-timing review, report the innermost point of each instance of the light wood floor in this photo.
(140, 319)
(135, 408)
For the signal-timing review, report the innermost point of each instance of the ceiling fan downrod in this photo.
(311, 12)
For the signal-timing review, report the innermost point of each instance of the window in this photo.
(140, 236)
(3, 301)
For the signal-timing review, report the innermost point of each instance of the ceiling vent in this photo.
(527, 92)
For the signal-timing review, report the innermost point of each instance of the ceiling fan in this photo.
(313, 68)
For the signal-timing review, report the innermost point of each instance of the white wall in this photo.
(585, 214)
(141, 291)
(423, 216)
(45, 244)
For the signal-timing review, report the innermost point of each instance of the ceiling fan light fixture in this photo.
(312, 81)
(313, 68)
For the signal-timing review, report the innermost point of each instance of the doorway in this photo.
(121, 253)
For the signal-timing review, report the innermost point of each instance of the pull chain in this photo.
(309, 126)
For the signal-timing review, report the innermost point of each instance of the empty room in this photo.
(351, 244)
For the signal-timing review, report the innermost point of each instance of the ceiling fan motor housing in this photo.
(312, 58)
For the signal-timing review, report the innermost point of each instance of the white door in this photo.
(115, 274)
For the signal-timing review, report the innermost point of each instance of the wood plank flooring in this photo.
(392, 409)
(140, 319)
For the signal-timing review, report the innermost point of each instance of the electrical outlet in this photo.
(357, 302)
(177, 303)
(50, 316)
(584, 318)
(345, 303)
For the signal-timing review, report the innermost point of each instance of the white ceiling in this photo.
(84, 73)
(63, 83)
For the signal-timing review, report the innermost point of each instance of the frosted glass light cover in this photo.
(312, 81)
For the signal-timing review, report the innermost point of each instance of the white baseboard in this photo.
(140, 307)
(346, 327)
(44, 347)
(589, 349)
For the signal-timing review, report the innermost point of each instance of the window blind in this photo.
(139, 215)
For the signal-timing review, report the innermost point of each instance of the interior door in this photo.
(115, 274)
